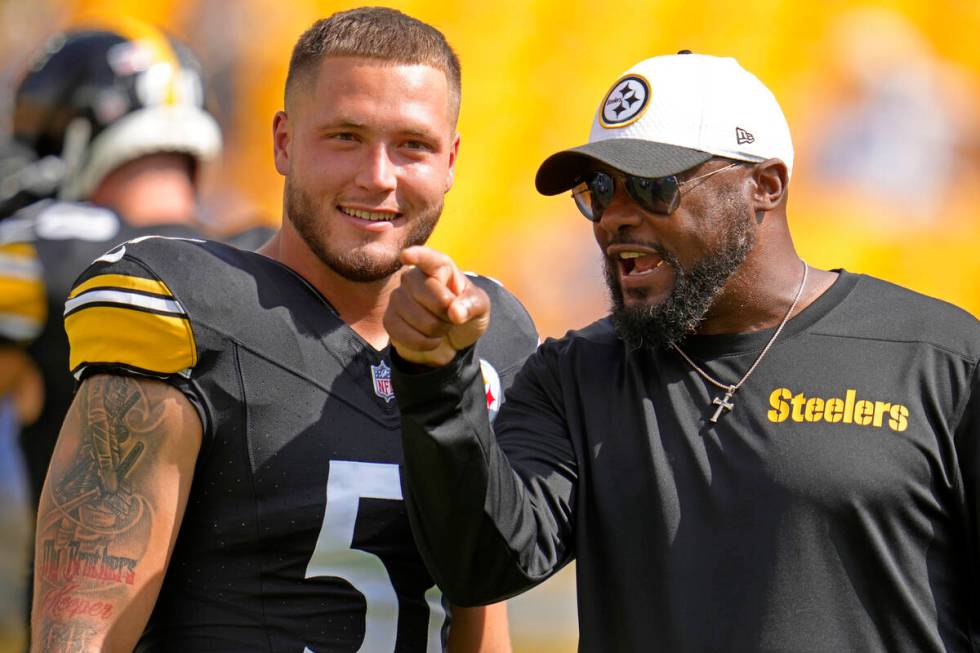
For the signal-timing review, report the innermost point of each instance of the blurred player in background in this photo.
(265, 379)
(109, 133)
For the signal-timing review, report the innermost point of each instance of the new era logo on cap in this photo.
(742, 137)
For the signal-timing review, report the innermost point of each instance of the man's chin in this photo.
(362, 268)
(643, 327)
(647, 321)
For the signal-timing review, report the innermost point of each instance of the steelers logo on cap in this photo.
(626, 102)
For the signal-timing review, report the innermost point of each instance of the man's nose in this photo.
(622, 212)
(378, 171)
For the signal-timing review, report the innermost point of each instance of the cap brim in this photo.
(560, 171)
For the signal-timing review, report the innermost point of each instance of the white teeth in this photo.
(624, 256)
(373, 216)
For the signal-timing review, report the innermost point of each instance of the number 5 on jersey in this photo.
(347, 483)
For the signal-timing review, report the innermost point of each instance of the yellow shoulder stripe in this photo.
(163, 344)
(23, 299)
(19, 250)
(121, 281)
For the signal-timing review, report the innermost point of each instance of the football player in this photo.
(228, 476)
(109, 133)
(114, 116)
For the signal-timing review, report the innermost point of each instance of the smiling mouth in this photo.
(638, 263)
(370, 216)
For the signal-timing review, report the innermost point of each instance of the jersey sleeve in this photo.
(491, 509)
(23, 300)
(120, 316)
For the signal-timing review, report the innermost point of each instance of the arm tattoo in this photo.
(94, 525)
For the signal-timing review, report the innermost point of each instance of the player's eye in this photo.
(342, 136)
(418, 145)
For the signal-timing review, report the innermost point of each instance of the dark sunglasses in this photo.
(594, 192)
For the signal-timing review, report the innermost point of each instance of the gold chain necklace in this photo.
(726, 403)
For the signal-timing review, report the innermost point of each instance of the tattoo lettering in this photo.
(58, 566)
(66, 638)
(95, 524)
(62, 603)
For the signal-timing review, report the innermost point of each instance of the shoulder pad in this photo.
(50, 220)
(119, 312)
(510, 338)
(143, 248)
(23, 303)
(17, 229)
(72, 221)
(507, 308)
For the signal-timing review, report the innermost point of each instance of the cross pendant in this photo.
(723, 403)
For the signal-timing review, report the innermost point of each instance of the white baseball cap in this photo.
(670, 113)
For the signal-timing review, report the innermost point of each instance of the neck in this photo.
(360, 305)
(153, 190)
(762, 290)
(752, 300)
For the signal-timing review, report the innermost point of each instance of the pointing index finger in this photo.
(435, 264)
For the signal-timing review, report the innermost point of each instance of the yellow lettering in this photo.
(780, 409)
(799, 408)
(899, 420)
(814, 409)
(834, 410)
(849, 397)
(880, 408)
(863, 410)
(798, 402)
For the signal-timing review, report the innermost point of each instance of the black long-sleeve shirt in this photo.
(834, 509)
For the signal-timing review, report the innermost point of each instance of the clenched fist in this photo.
(436, 311)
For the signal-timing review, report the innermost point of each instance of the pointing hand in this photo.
(436, 311)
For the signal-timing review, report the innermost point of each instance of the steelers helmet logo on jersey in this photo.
(626, 102)
(491, 386)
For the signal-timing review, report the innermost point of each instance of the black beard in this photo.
(353, 265)
(662, 324)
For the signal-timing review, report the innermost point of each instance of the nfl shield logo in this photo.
(381, 375)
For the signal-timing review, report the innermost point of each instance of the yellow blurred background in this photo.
(883, 99)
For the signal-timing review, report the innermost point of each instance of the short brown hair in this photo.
(375, 33)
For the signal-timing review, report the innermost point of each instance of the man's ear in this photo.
(280, 141)
(770, 179)
(451, 173)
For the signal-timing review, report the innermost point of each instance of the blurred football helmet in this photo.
(97, 98)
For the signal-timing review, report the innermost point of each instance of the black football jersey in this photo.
(295, 536)
(43, 248)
